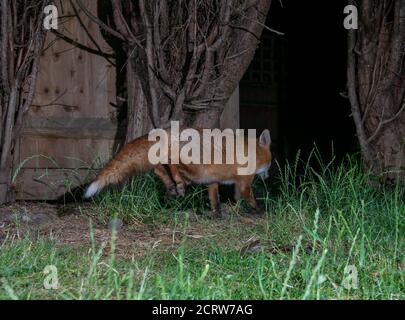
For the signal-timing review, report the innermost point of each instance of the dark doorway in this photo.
(303, 105)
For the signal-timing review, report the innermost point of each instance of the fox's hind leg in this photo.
(164, 176)
(180, 183)
(172, 179)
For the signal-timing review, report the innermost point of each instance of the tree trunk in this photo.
(376, 83)
(184, 58)
(202, 119)
(6, 194)
(138, 121)
(21, 40)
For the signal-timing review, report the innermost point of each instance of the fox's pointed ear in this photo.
(265, 138)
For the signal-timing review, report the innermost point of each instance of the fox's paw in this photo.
(215, 215)
(181, 190)
(172, 191)
(257, 212)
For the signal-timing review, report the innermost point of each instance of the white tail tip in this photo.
(92, 190)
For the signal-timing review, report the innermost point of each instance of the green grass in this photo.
(318, 223)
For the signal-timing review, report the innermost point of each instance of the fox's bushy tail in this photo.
(132, 159)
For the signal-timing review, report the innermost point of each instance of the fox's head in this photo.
(264, 155)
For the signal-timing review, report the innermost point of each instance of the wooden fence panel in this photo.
(72, 122)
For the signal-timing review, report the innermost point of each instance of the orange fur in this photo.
(133, 158)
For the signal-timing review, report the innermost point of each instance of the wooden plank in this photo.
(34, 184)
(55, 143)
(72, 128)
(51, 153)
(73, 82)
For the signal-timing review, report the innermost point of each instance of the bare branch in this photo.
(352, 90)
(120, 22)
(107, 56)
(150, 60)
(382, 122)
(99, 22)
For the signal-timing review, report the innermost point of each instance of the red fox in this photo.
(133, 158)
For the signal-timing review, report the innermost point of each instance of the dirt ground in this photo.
(71, 226)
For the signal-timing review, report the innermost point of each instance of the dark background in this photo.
(312, 109)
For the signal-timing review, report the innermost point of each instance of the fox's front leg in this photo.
(213, 194)
(164, 176)
(245, 188)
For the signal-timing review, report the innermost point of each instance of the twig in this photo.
(107, 56)
(385, 122)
